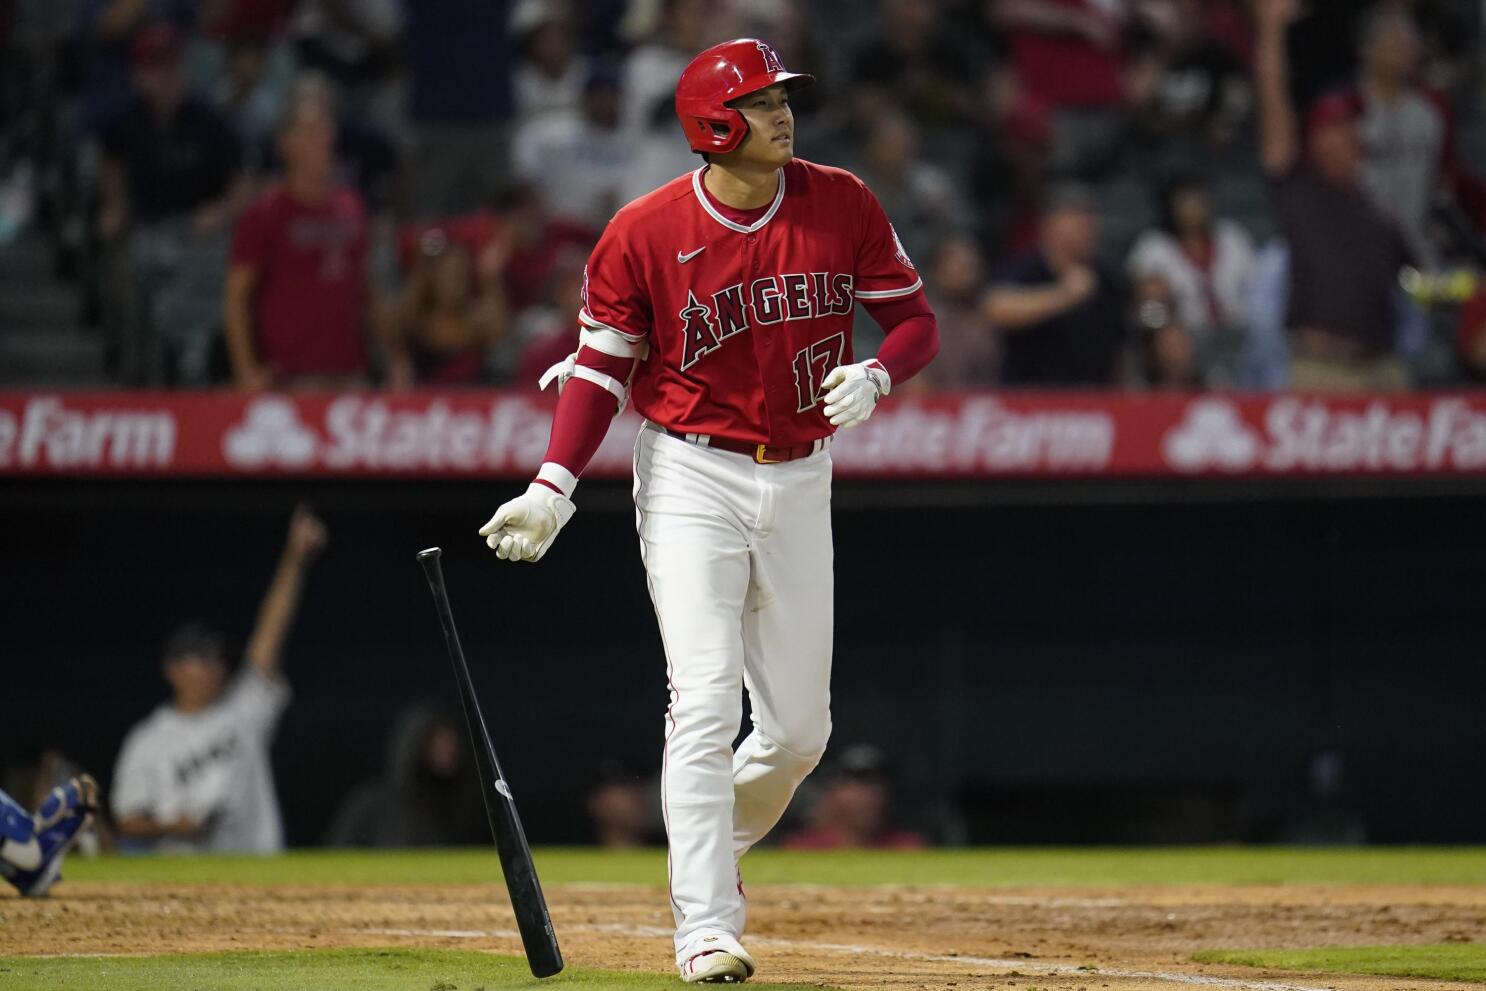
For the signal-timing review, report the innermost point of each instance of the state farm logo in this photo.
(981, 435)
(48, 434)
(1212, 435)
(271, 435)
(1313, 434)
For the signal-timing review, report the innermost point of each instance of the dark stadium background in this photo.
(1082, 663)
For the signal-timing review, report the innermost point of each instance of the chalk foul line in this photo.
(1020, 964)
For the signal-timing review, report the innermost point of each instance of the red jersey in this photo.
(1064, 69)
(744, 322)
(309, 300)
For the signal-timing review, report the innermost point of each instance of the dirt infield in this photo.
(864, 938)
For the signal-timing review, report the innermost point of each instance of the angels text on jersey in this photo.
(710, 319)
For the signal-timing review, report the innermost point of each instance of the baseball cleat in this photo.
(60, 819)
(715, 967)
(719, 959)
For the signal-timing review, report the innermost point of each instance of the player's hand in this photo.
(853, 391)
(523, 529)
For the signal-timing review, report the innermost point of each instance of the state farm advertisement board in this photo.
(491, 434)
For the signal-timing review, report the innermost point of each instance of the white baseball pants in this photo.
(739, 561)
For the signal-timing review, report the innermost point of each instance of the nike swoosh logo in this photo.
(682, 259)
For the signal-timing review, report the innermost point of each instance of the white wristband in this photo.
(555, 474)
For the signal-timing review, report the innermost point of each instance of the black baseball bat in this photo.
(532, 918)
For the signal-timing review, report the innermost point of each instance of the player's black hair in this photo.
(194, 638)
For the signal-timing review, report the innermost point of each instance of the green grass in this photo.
(1442, 961)
(314, 970)
(1082, 866)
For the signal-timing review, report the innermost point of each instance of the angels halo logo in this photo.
(772, 62)
(899, 252)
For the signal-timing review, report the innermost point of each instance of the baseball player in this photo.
(195, 775)
(32, 846)
(721, 305)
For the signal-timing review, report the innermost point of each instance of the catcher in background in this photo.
(32, 846)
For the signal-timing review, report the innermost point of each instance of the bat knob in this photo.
(431, 554)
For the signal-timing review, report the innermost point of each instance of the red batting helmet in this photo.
(725, 72)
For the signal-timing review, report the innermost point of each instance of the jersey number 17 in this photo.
(813, 364)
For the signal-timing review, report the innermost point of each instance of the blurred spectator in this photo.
(429, 797)
(251, 92)
(461, 102)
(684, 28)
(171, 187)
(624, 809)
(1344, 254)
(1264, 360)
(1403, 128)
(580, 161)
(792, 30)
(1470, 340)
(1008, 164)
(1069, 57)
(913, 63)
(550, 71)
(1167, 355)
(916, 194)
(446, 320)
(968, 357)
(169, 154)
(1187, 84)
(855, 808)
(1206, 264)
(1061, 317)
(537, 239)
(106, 31)
(195, 775)
(298, 301)
(356, 44)
(547, 329)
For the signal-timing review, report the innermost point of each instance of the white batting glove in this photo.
(854, 391)
(523, 529)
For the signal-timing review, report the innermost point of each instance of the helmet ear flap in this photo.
(717, 131)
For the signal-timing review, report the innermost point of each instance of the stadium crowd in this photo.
(1144, 194)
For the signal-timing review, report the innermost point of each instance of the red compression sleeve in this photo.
(912, 335)
(584, 412)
